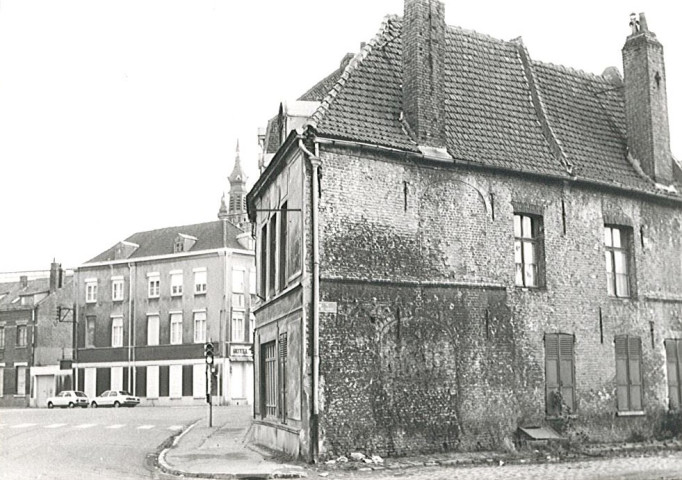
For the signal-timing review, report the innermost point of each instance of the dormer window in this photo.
(183, 243)
(26, 299)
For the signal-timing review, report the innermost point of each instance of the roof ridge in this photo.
(575, 71)
(359, 57)
(174, 227)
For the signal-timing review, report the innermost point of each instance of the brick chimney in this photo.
(23, 281)
(646, 105)
(55, 276)
(423, 39)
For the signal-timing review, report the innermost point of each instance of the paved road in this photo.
(85, 443)
(665, 466)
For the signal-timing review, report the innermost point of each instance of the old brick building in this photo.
(462, 241)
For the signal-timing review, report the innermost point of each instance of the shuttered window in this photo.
(673, 360)
(559, 373)
(628, 373)
(270, 375)
(283, 348)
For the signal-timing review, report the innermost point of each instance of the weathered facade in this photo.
(36, 348)
(463, 241)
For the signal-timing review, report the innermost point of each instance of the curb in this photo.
(167, 471)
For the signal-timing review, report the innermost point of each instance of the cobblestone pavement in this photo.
(662, 466)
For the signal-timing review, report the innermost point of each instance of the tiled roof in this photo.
(272, 134)
(542, 119)
(209, 236)
(10, 291)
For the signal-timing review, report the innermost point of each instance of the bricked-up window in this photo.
(673, 361)
(628, 373)
(269, 378)
(272, 254)
(283, 226)
(22, 335)
(90, 331)
(616, 242)
(528, 250)
(283, 349)
(559, 373)
(152, 329)
(263, 261)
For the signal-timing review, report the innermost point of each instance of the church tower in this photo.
(234, 210)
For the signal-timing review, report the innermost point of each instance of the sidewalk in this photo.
(221, 451)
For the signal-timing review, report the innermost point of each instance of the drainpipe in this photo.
(315, 164)
(74, 332)
(131, 334)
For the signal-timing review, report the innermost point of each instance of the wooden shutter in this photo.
(283, 350)
(559, 372)
(551, 372)
(672, 362)
(634, 372)
(566, 370)
(622, 372)
(628, 373)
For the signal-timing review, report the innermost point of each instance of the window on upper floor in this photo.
(628, 373)
(238, 327)
(90, 331)
(176, 284)
(22, 336)
(27, 300)
(199, 327)
(263, 263)
(238, 288)
(91, 291)
(2, 337)
(153, 285)
(176, 328)
(282, 247)
(117, 289)
(272, 255)
(253, 290)
(117, 331)
(618, 261)
(153, 329)
(528, 250)
(178, 245)
(200, 278)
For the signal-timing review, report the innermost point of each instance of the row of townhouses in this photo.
(454, 240)
(137, 317)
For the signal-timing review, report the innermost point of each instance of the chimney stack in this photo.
(423, 39)
(55, 276)
(23, 281)
(646, 105)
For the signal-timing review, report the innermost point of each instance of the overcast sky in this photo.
(121, 116)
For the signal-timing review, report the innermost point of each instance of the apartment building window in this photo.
(91, 291)
(237, 326)
(237, 288)
(528, 250)
(263, 264)
(175, 381)
(22, 336)
(616, 242)
(252, 281)
(117, 289)
(90, 331)
(628, 373)
(176, 283)
(152, 329)
(21, 380)
(176, 328)
(559, 374)
(673, 361)
(153, 381)
(2, 337)
(199, 281)
(199, 327)
(269, 376)
(272, 254)
(117, 331)
(154, 285)
(282, 248)
(283, 349)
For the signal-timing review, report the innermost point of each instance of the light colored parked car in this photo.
(68, 398)
(115, 398)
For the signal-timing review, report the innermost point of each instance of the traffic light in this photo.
(208, 352)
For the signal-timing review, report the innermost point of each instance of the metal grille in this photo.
(270, 379)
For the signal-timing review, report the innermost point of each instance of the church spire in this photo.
(237, 175)
(236, 208)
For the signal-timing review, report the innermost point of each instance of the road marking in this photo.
(118, 425)
(55, 425)
(23, 425)
(175, 427)
(85, 425)
(145, 427)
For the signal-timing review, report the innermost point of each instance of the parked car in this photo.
(68, 398)
(115, 398)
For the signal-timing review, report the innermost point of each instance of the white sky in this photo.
(121, 116)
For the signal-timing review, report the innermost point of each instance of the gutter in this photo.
(315, 163)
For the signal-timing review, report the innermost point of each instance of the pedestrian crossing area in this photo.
(87, 426)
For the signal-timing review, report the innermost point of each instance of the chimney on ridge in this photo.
(423, 59)
(646, 105)
(55, 276)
